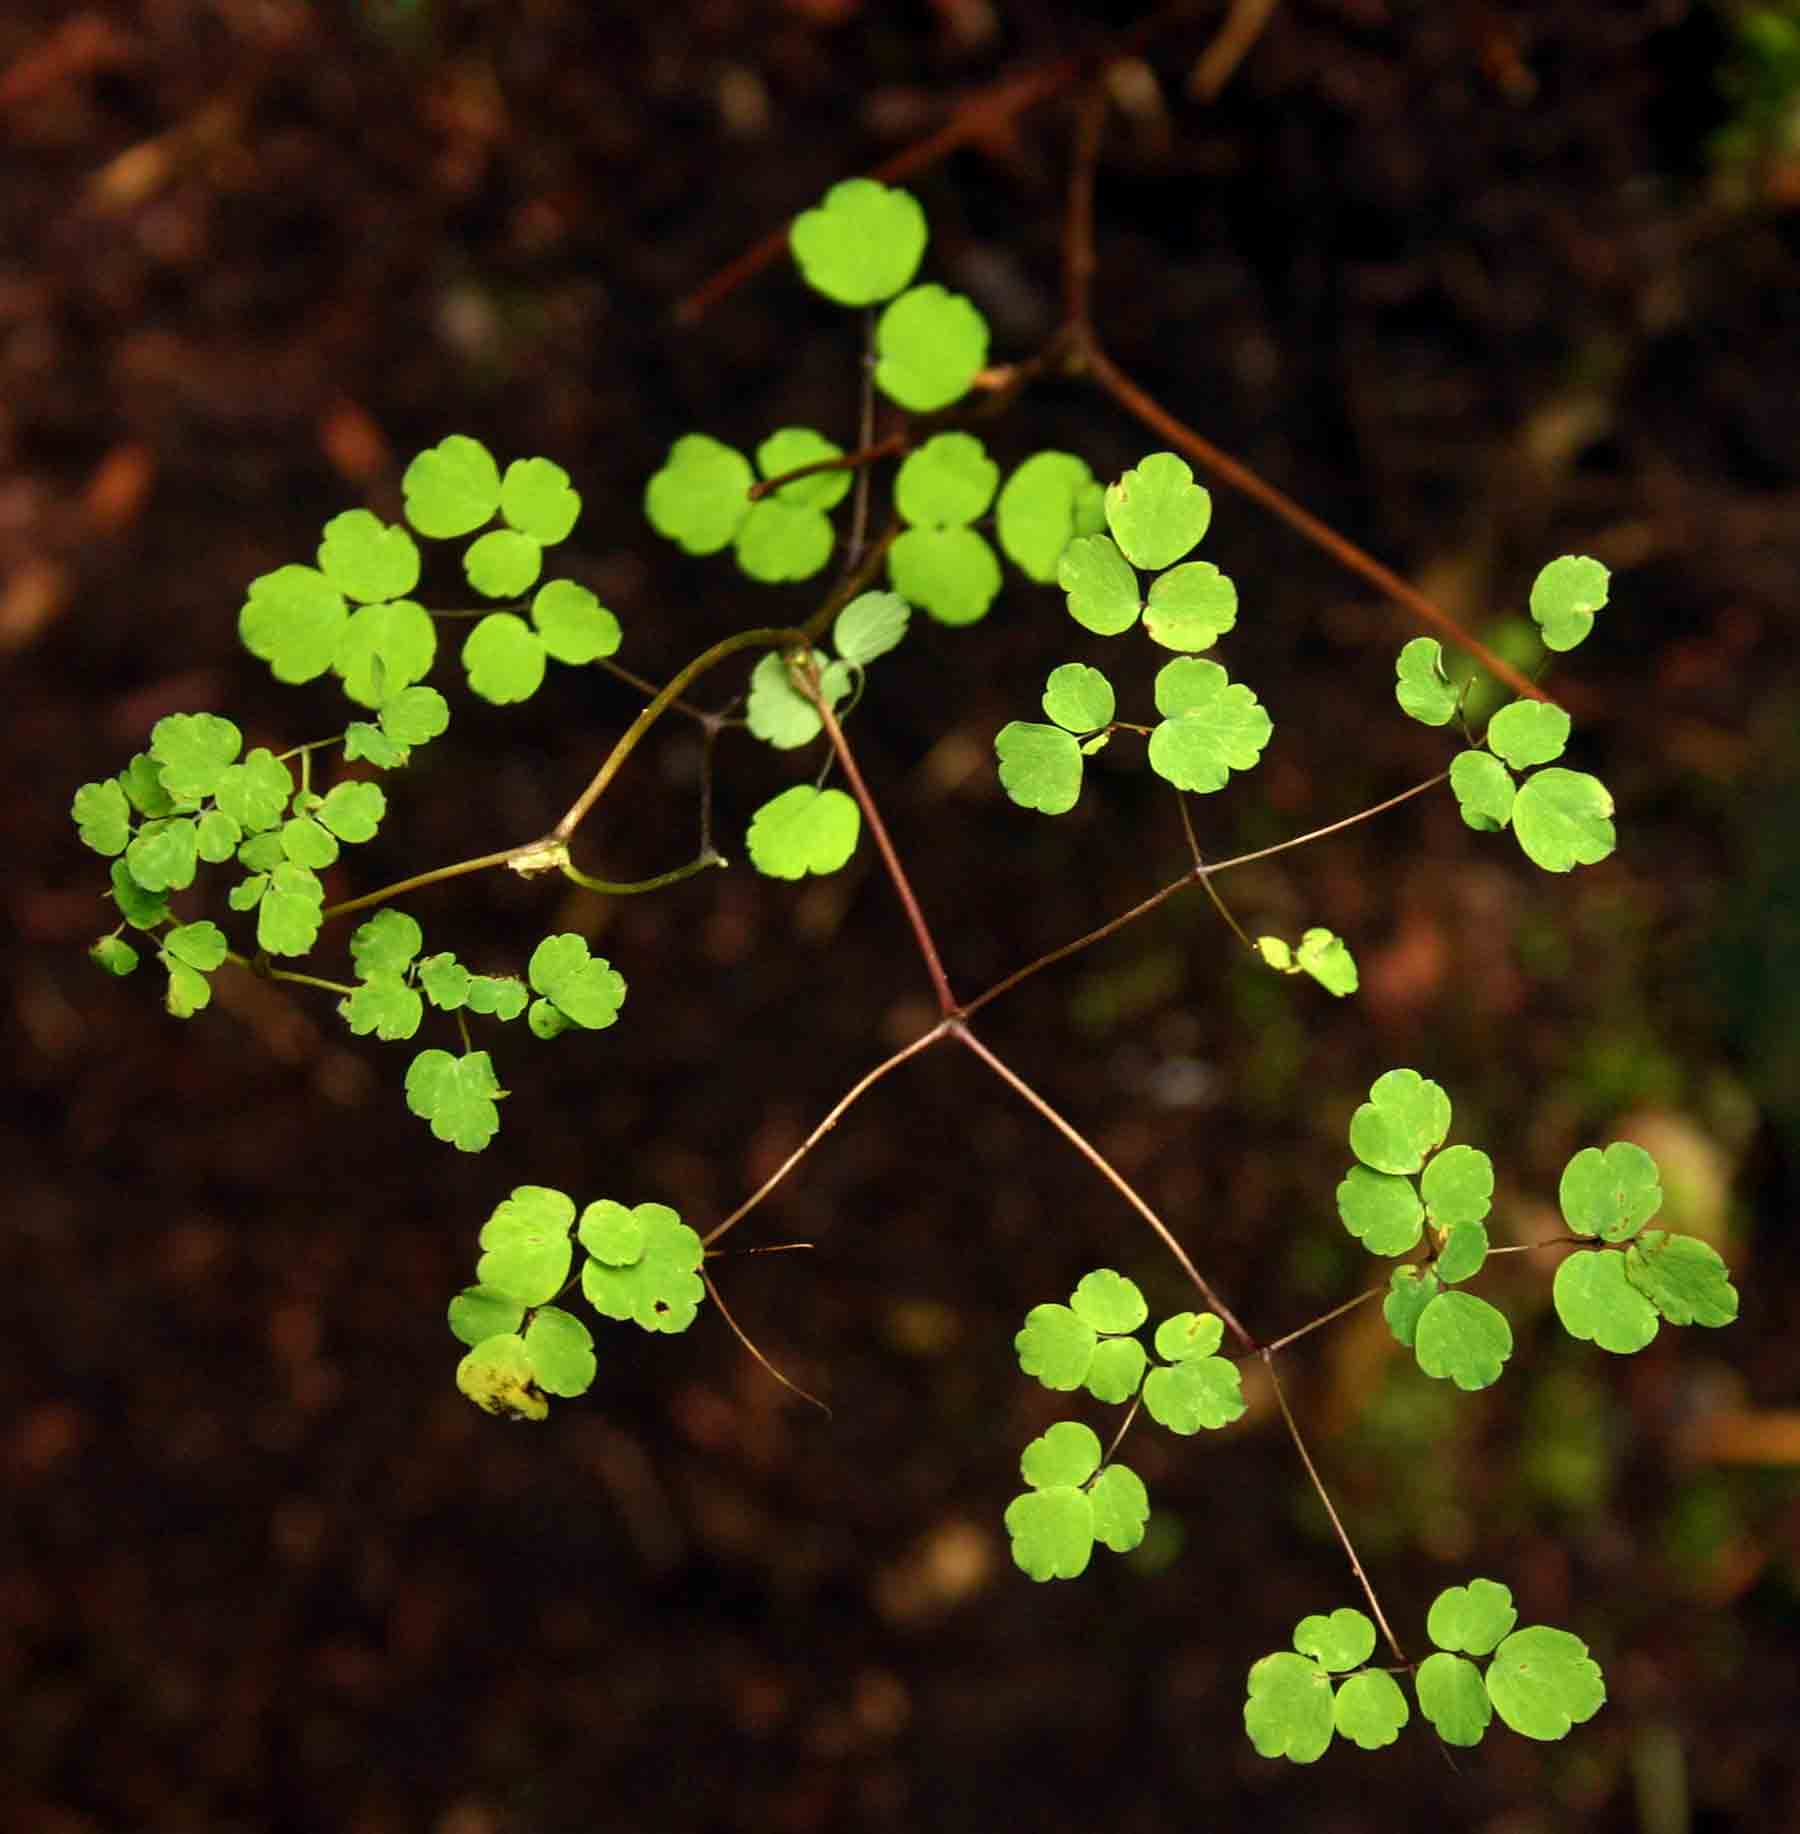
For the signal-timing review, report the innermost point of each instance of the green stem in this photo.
(619, 888)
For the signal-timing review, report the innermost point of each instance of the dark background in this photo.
(1469, 281)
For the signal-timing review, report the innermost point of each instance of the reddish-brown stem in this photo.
(1324, 1496)
(1151, 412)
(739, 1333)
(843, 1106)
(909, 903)
(845, 461)
(1325, 1318)
(1104, 1167)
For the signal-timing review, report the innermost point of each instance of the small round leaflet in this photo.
(1037, 515)
(1610, 1194)
(1453, 1698)
(293, 620)
(537, 499)
(366, 559)
(1157, 512)
(1102, 589)
(574, 626)
(1079, 698)
(451, 488)
(1598, 1304)
(1345, 1639)
(1564, 598)
(1683, 1277)
(862, 244)
(803, 830)
(1406, 1116)
(947, 482)
(869, 626)
(1289, 1710)
(700, 497)
(1542, 1681)
(504, 658)
(1472, 1618)
(1370, 1709)
(526, 1249)
(929, 346)
(1564, 819)
(1462, 1339)
(1484, 790)
(1424, 691)
(1528, 732)
(661, 1289)
(1190, 607)
(561, 1349)
(1040, 766)
(503, 564)
(1212, 726)
(951, 572)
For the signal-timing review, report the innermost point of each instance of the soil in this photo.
(1467, 281)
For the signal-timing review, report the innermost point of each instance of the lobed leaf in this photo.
(1484, 790)
(1425, 692)
(791, 448)
(288, 915)
(561, 1349)
(661, 1289)
(700, 497)
(451, 488)
(573, 625)
(1102, 589)
(1190, 607)
(1610, 1194)
(102, 816)
(1453, 1697)
(1381, 1210)
(1458, 1186)
(780, 541)
(1462, 1339)
(504, 658)
(1564, 598)
(503, 564)
(455, 1094)
(1040, 766)
(1410, 1291)
(1202, 1391)
(1406, 1116)
(1116, 1369)
(526, 1250)
(803, 830)
(193, 751)
(587, 990)
(1542, 1682)
(946, 483)
(1212, 727)
(537, 499)
(1528, 732)
(1121, 1508)
(384, 648)
(1056, 1347)
(930, 344)
(1471, 1618)
(1563, 819)
(1598, 1304)
(1109, 1301)
(1683, 1277)
(952, 574)
(862, 244)
(498, 1377)
(1066, 1453)
(1052, 1532)
(293, 619)
(1343, 1640)
(367, 559)
(1289, 1710)
(1157, 512)
(1370, 1709)
(1078, 698)
(1039, 512)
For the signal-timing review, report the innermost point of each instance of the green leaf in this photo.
(574, 626)
(1564, 598)
(504, 658)
(952, 574)
(1542, 1682)
(1563, 819)
(1189, 1336)
(1212, 727)
(1406, 1116)
(780, 541)
(1410, 1291)
(1116, 1369)
(661, 1290)
(869, 626)
(700, 497)
(929, 346)
(367, 559)
(614, 1235)
(141, 780)
(1463, 1255)
(1328, 960)
(1190, 607)
(1036, 516)
(114, 954)
(385, 1005)
(1121, 1508)
(293, 619)
(788, 449)
(1452, 1697)
(561, 1349)
(498, 1377)
(1344, 1640)
(1471, 1618)
(1610, 1194)
(526, 1250)
(803, 830)
(1683, 1277)
(536, 499)
(777, 712)
(201, 945)
(163, 854)
(1484, 790)
(1056, 1347)
(1381, 1210)
(189, 990)
(217, 837)
(445, 982)
(415, 716)
(455, 1094)
(307, 844)
(1052, 1532)
(1528, 732)
(1462, 1339)
(587, 990)
(385, 944)
(478, 1313)
(1277, 954)
(1289, 1710)
(1102, 589)
(1157, 512)
(1109, 1301)
(947, 482)
(503, 564)
(1079, 698)
(451, 488)
(1040, 766)
(1203, 1391)
(1370, 1709)
(1424, 691)
(1598, 1304)
(502, 995)
(255, 793)
(102, 814)
(247, 894)
(193, 751)
(1066, 1453)
(1458, 1186)
(353, 811)
(383, 649)
(287, 919)
(862, 244)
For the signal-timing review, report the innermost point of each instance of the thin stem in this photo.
(1346, 553)
(1336, 1312)
(1349, 1547)
(1078, 263)
(738, 1332)
(647, 688)
(665, 698)
(872, 815)
(457, 870)
(1318, 834)
(843, 1107)
(1118, 1438)
(857, 461)
(621, 889)
(1099, 1162)
(1200, 872)
(1242, 28)
(865, 432)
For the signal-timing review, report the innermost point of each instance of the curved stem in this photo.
(1103, 1166)
(623, 889)
(1205, 878)
(1337, 1524)
(739, 1333)
(843, 1107)
(459, 869)
(665, 697)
